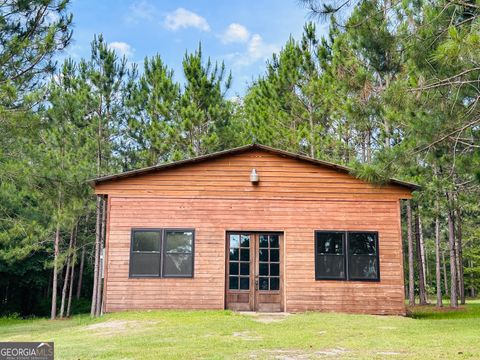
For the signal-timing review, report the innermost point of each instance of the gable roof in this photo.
(234, 151)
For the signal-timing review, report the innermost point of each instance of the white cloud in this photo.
(257, 49)
(122, 48)
(141, 11)
(182, 18)
(235, 33)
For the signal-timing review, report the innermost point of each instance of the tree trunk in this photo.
(369, 146)
(438, 274)
(80, 273)
(100, 270)
(453, 270)
(67, 273)
(49, 286)
(422, 251)
(459, 253)
(421, 279)
(72, 273)
(445, 276)
(411, 281)
(312, 132)
(93, 309)
(472, 277)
(53, 313)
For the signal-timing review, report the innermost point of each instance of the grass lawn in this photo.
(428, 334)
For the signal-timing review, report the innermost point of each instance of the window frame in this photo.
(132, 236)
(346, 255)
(377, 256)
(161, 274)
(162, 265)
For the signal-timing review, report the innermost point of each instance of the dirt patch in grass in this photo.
(299, 354)
(389, 353)
(247, 335)
(116, 327)
(267, 318)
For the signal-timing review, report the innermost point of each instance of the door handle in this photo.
(256, 284)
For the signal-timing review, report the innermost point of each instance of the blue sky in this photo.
(241, 33)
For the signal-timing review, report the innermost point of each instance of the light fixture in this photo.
(254, 179)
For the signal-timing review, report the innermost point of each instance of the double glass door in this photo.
(254, 272)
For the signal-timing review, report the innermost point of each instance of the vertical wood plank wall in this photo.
(216, 196)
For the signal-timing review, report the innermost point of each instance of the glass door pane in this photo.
(239, 262)
(268, 262)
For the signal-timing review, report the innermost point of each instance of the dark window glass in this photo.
(233, 282)
(274, 283)
(233, 268)
(145, 264)
(234, 254)
(363, 267)
(145, 256)
(363, 256)
(274, 269)
(244, 268)
(274, 255)
(245, 241)
(362, 243)
(263, 283)
(263, 269)
(245, 254)
(263, 241)
(330, 243)
(330, 267)
(263, 254)
(244, 283)
(146, 241)
(274, 241)
(330, 256)
(177, 265)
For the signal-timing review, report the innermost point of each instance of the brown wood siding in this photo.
(280, 177)
(293, 197)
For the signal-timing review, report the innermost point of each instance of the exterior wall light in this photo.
(254, 178)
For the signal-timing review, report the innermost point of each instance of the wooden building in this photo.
(252, 228)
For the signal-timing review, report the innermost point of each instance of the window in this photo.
(341, 255)
(330, 255)
(362, 256)
(145, 256)
(162, 253)
(178, 253)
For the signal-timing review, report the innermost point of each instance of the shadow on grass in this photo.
(431, 312)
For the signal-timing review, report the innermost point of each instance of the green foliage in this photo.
(170, 121)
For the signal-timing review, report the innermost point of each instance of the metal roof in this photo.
(238, 150)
